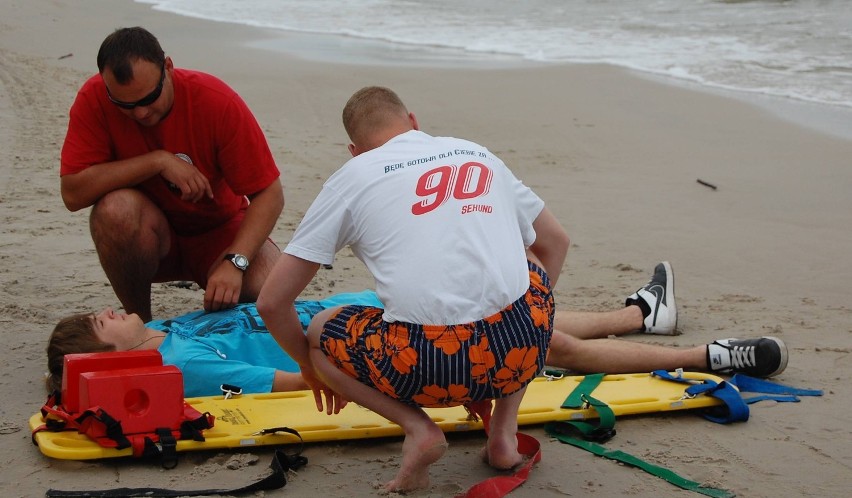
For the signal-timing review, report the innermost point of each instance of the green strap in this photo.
(585, 387)
(581, 397)
(552, 428)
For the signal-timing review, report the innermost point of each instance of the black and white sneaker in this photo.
(657, 302)
(763, 357)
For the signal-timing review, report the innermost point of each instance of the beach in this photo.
(764, 249)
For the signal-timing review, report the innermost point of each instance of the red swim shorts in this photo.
(191, 257)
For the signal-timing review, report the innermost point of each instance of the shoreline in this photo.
(833, 120)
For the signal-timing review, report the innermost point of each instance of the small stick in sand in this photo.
(702, 182)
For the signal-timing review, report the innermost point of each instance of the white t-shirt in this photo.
(441, 223)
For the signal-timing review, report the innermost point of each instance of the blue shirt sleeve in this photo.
(203, 375)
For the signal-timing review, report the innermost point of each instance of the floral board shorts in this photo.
(445, 365)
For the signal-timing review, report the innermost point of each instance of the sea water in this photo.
(793, 50)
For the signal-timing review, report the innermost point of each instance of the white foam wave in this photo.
(799, 50)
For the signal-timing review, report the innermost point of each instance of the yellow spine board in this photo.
(239, 420)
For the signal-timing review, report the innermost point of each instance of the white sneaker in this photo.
(657, 302)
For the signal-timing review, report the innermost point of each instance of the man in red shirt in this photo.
(179, 175)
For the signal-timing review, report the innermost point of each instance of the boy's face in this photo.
(120, 329)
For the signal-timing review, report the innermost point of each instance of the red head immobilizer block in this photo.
(77, 364)
(142, 399)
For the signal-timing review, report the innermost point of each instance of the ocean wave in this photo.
(799, 50)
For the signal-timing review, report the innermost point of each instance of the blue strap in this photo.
(770, 390)
(730, 392)
(734, 409)
(748, 384)
(771, 397)
(665, 375)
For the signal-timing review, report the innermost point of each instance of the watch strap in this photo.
(234, 257)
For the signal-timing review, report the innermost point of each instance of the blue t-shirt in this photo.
(234, 346)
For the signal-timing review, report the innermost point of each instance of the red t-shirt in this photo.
(209, 123)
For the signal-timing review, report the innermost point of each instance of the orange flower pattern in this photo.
(434, 396)
(338, 355)
(541, 311)
(368, 319)
(481, 360)
(496, 317)
(448, 338)
(398, 347)
(519, 368)
(380, 382)
(438, 365)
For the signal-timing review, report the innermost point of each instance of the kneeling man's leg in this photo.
(131, 236)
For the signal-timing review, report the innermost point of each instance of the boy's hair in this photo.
(123, 47)
(73, 334)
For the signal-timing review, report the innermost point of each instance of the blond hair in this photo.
(369, 109)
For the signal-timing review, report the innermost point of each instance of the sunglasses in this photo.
(144, 101)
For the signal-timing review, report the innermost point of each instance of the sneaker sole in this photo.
(783, 348)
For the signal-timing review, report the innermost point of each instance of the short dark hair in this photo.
(123, 47)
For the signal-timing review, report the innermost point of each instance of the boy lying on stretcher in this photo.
(234, 346)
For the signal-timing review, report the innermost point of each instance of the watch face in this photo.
(241, 261)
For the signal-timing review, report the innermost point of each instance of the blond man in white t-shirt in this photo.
(464, 257)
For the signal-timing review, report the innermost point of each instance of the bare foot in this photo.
(501, 452)
(419, 451)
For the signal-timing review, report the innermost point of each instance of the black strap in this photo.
(112, 426)
(168, 448)
(193, 429)
(281, 464)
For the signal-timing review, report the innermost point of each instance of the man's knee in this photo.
(118, 206)
(128, 214)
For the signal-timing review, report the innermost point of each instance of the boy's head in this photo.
(73, 334)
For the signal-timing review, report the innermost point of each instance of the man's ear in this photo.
(413, 119)
(353, 150)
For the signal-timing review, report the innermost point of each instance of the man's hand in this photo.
(334, 401)
(193, 185)
(223, 287)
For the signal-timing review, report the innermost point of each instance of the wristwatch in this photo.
(239, 261)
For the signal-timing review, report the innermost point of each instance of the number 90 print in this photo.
(463, 182)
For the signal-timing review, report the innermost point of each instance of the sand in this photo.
(616, 156)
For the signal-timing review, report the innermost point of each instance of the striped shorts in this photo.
(445, 365)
